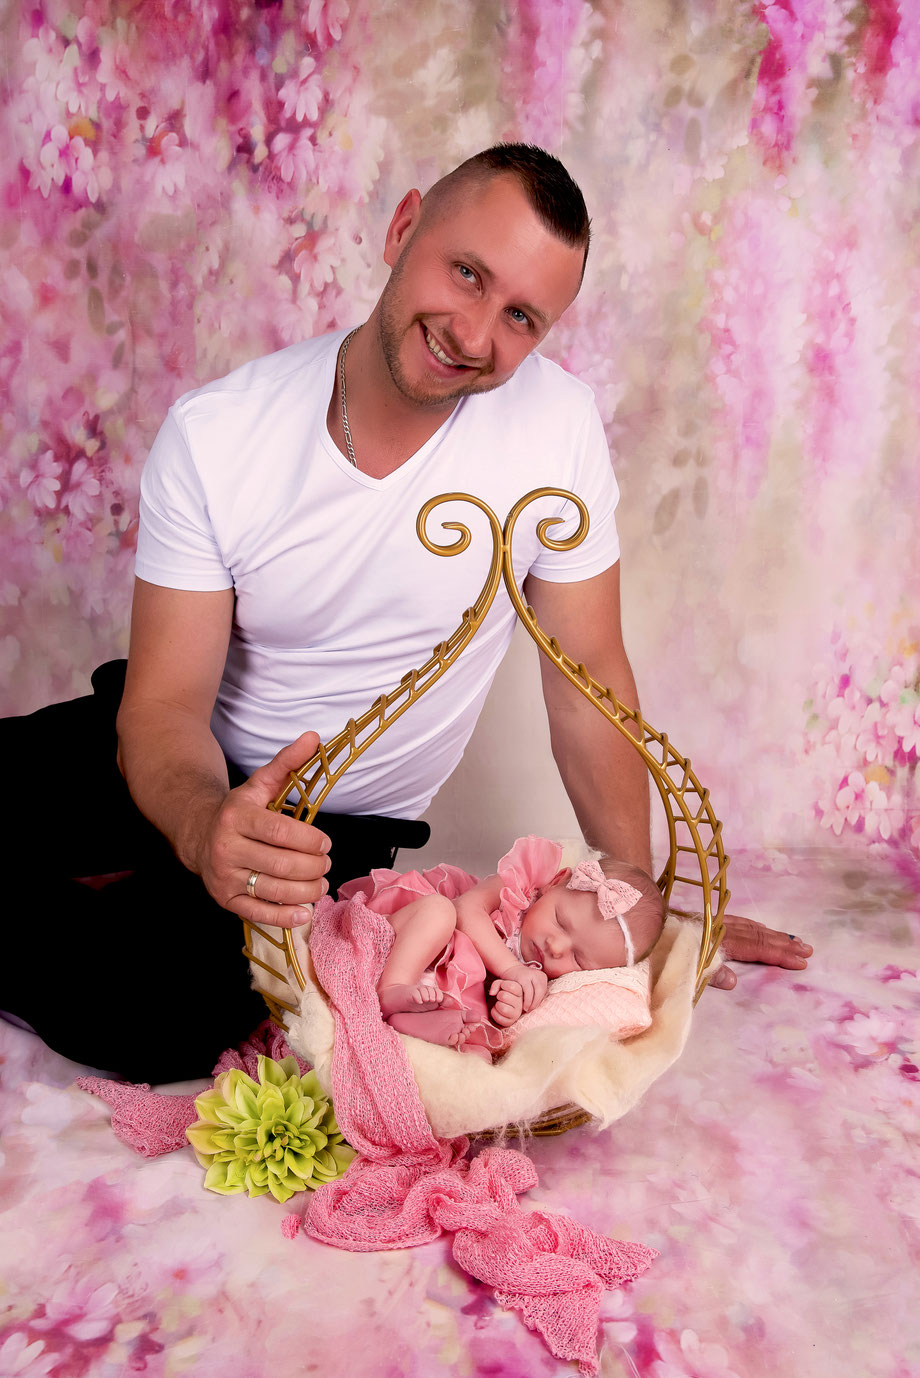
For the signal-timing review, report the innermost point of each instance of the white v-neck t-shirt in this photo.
(336, 597)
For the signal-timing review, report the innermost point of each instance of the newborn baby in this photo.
(523, 926)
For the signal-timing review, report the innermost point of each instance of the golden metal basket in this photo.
(696, 854)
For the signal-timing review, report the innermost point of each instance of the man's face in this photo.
(471, 293)
(564, 931)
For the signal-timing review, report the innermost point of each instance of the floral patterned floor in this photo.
(776, 1168)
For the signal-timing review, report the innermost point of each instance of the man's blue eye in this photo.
(464, 270)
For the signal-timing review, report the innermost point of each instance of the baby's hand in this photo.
(532, 981)
(509, 1002)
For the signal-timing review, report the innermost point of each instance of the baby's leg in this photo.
(436, 1026)
(422, 929)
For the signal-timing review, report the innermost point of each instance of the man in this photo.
(280, 584)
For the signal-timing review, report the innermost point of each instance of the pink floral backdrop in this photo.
(188, 185)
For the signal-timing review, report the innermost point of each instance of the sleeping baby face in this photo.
(564, 931)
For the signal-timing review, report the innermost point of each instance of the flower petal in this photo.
(216, 1180)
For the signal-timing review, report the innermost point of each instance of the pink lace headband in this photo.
(614, 898)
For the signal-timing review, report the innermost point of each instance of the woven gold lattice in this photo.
(696, 857)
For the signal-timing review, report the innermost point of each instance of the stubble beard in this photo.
(390, 332)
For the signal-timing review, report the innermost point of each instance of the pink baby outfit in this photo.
(532, 864)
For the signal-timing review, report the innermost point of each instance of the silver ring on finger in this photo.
(251, 884)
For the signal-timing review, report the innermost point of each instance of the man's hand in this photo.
(746, 940)
(244, 836)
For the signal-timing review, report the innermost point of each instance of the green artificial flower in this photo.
(278, 1134)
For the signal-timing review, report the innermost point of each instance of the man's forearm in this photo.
(604, 776)
(175, 771)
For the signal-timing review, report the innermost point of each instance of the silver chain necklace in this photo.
(345, 426)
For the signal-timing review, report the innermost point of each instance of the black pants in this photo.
(143, 976)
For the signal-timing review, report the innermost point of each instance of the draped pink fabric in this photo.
(152, 1123)
(407, 1187)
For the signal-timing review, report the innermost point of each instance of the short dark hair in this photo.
(551, 191)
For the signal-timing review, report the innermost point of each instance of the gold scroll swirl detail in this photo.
(314, 780)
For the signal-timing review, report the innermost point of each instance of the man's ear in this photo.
(402, 226)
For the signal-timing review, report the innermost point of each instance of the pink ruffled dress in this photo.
(530, 865)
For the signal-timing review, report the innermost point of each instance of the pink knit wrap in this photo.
(406, 1186)
(153, 1123)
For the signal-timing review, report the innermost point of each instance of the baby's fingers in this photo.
(429, 995)
(499, 985)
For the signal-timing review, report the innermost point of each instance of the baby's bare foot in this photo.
(465, 1041)
(416, 998)
(437, 1026)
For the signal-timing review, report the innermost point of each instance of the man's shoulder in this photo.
(257, 377)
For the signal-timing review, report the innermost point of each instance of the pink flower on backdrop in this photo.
(166, 163)
(83, 489)
(871, 1035)
(21, 1357)
(62, 158)
(114, 70)
(316, 257)
(902, 679)
(294, 156)
(877, 738)
(301, 96)
(187, 1263)
(886, 816)
(80, 1309)
(864, 805)
(687, 1356)
(849, 802)
(42, 481)
(846, 713)
(324, 20)
(906, 719)
(43, 54)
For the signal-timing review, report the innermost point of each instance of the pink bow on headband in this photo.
(614, 898)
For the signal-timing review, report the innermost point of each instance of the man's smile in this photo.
(439, 353)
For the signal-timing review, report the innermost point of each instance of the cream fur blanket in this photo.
(545, 1069)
